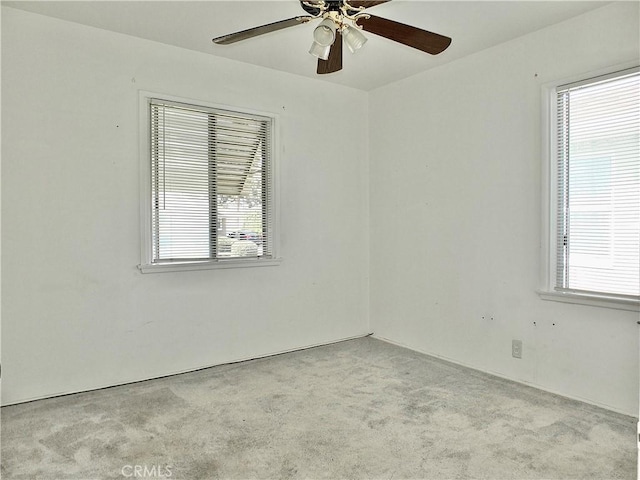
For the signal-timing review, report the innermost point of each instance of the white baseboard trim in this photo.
(506, 377)
(189, 370)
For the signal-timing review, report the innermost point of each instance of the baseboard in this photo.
(506, 377)
(189, 370)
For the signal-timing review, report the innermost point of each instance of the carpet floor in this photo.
(360, 409)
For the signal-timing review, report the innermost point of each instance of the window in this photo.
(596, 188)
(209, 198)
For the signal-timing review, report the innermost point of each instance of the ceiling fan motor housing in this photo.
(330, 6)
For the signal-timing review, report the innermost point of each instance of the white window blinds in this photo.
(598, 152)
(211, 184)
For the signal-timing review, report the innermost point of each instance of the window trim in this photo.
(550, 208)
(146, 251)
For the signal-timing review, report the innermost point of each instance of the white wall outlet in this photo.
(516, 348)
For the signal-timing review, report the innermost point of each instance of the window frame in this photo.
(550, 207)
(146, 216)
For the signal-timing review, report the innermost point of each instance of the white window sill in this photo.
(591, 300)
(188, 266)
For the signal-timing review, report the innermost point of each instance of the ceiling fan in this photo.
(344, 20)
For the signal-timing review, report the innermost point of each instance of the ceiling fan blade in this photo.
(406, 34)
(261, 30)
(334, 62)
(366, 3)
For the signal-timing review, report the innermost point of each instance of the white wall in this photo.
(77, 314)
(456, 216)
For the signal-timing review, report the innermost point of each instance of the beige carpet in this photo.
(361, 409)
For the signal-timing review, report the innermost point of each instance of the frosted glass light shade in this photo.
(353, 38)
(320, 51)
(325, 33)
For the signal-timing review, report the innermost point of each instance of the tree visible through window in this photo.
(211, 184)
(598, 204)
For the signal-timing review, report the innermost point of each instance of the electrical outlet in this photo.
(516, 348)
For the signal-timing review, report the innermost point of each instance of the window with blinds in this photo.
(211, 184)
(598, 186)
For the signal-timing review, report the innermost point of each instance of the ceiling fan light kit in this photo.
(334, 26)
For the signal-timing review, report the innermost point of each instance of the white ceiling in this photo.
(473, 26)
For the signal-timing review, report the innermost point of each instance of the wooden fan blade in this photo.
(334, 62)
(261, 30)
(406, 34)
(366, 3)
